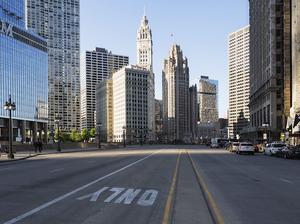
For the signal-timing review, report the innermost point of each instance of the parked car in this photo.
(292, 152)
(273, 148)
(246, 147)
(234, 147)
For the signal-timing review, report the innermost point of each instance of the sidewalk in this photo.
(30, 154)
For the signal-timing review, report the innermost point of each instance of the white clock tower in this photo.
(145, 60)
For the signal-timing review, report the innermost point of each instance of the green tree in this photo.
(78, 137)
(92, 132)
(73, 135)
(84, 134)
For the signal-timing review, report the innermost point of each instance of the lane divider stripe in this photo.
(212, 205)
(56, 200)
(170, 200)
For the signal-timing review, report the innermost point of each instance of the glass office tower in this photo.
(23, 75)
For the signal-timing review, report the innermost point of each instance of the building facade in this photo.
(270, 68)
(158, 118)
(295, 110)
(145, 60)
(239, 83)
(23, 75)
(59, 23)
(175, 87)
(104, 109)
(208, 100)
(96, 66)
(130, 104)
(193, 112)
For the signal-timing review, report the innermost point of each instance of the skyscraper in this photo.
(59, 23)
(270, 63)
(96, 66)
(23, 76)
(208, 100)
(239, 85)
(130, 104)
(175, 87)
(296, 63)
(145, 60)
(193, 111)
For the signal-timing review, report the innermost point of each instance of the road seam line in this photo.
(56, 200)
(170, 200)
(211, 203)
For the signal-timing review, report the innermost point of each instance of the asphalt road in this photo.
(151, 184)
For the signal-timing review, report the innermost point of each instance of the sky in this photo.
(200, 27)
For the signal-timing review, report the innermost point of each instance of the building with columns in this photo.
(175, 87)
(145, 60)
(270, 68)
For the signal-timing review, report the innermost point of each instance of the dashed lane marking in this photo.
(56, 200)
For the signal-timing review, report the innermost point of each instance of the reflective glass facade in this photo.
(23, 72)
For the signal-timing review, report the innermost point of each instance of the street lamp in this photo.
(10, 106)
(124, 136)
(99, 125)
(57, 121)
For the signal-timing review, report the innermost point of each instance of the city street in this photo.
(150, 184)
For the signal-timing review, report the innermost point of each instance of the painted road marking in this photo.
(9, 168)
(286, 181)
(56, 200)
(117, 191)
(57, 170)
(94, 196)
(146, 199)
(212, 205)
(128, 196)
(170, 200)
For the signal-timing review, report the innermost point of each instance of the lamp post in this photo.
(124, 136)
(57, 121)
(99, 125)
(10, 106)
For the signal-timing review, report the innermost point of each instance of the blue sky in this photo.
(200, 27)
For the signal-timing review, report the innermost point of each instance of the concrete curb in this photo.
(55, 152)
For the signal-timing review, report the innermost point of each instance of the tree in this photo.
(84, 134)
(93, 133)
(75, 136)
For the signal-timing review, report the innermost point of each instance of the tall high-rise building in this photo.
(145, 60)
(208, 100)
(104, 109)
(130, 104)
(96, 66)
(270, 67)
(23, 76)
(239, 85)
(193, 111)
(296, 63)
(59, 23)
(175, 87)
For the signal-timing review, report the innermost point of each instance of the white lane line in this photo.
(57, 170)
(56, 200)
(286, 181)
(5, 169)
